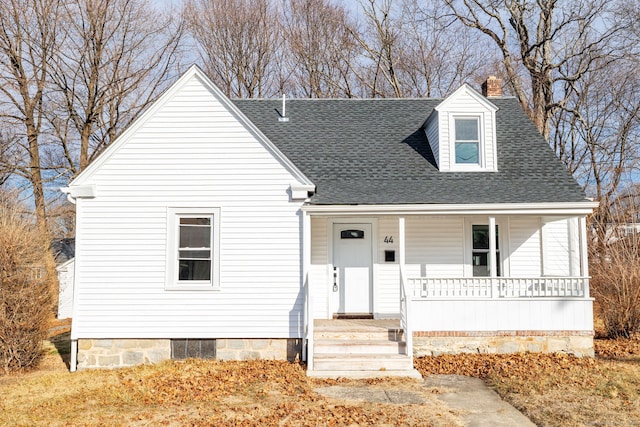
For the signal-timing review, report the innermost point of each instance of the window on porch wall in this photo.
(481, 253)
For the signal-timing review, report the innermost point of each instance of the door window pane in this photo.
(352, 234)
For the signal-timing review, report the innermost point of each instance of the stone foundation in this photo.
(437, 343)
(258, 348)
(115, 353)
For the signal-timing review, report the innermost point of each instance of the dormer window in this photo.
(462, 132)
(467, 140)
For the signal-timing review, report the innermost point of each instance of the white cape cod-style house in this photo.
(351, 233)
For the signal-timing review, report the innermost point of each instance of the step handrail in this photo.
(405, 323)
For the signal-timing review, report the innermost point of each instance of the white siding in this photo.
(525, 314)
(191, 153)
(489, 142)
(431, 131)
(320, 245)
(556, 248)
(387, 274)
(435, 246)
(319, 274)
(524, 243)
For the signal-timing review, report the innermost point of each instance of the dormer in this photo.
(462, 132)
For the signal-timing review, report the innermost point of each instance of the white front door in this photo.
(352, 255)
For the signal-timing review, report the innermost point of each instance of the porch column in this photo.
(405, 297)
(307, 326)
(493, 263)
(584, 257)
(401, 244)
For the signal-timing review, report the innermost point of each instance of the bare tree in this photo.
(238, 43)
(322, 50)
(544, 43)
(10, 155)
(380, 42)
(439, 53)
(614, 265)
(115, 59)
(28, 41)
(597, 135)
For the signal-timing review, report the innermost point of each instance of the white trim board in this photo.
(577, 208)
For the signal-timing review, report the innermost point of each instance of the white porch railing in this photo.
(499, 287)
(405, 307)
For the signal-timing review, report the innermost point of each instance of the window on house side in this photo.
(467, 141)
(480, 254)
(192, 248)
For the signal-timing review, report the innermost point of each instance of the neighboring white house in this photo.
(64, 252)
(224, 228)
(65, 273)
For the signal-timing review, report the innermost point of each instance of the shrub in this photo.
(615, 284)
(25, 291)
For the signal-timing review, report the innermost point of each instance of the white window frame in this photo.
(501, 243)
(480, 166)
(173, 226)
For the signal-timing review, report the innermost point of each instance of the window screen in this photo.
(194, 251)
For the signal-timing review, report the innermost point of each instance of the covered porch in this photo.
(457, 279)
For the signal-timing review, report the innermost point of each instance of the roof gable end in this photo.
(194, 72)
(466, 89)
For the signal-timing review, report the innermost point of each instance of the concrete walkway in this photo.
(480, 406)
(475, 403)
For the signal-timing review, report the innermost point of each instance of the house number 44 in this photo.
(388, 239)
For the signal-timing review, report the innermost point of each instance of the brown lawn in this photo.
(200, 393)
(553, 390)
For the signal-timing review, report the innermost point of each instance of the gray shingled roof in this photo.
(374, 151)
(63, 249)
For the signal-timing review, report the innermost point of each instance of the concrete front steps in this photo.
(360, 348)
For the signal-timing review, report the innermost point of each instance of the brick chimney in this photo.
(492, 86)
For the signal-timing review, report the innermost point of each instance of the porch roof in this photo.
(374, 151)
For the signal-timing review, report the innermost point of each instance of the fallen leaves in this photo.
(553, 389)
(203, 380)
(533, 368)
(618, 348)
(257, 393)
(559, 389)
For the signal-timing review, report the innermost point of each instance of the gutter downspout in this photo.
(73, 361)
